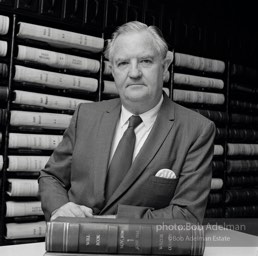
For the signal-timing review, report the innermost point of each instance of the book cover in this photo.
(124, 236)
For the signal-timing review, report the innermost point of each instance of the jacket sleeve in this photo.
(54, 179)
(191, 195)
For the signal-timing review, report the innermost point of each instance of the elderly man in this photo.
(139, 156)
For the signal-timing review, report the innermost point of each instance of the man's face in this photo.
(138, 71)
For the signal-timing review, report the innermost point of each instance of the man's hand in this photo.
(72, 210)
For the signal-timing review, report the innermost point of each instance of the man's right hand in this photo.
(72, 210)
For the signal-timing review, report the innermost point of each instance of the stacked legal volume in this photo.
(98, 236)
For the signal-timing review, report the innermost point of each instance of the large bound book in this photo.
(198, 81)
(23, 208)
(34, 141)
(4, 24)
(124, 236)
(23, 187)
(26, 163)
(55, 79)
(60, 38)
(3, 48)
(57, 59)
(39, 119)
(46, 100)
(199, 63)
(25, 230)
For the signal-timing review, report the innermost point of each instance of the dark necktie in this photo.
(122, 159)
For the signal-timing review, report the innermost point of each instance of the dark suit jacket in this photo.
(180, 140)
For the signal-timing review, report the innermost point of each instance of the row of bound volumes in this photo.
(198, 97)
(25, 230)
(4, 24)
(241, 166)
(216, 116)
(3, 70)
(26, 163)
(242, 149)
(198, 81)
(60, 38)
(3, 48)
(40, 119)
(245, 72)
(215, 198)
(199, 63)
(242, 181)
(46, 100)
(241, 196)
(57, 59)
(22, 187)
(243, 134)
(54, 79)
(241, 211)
(124, 236)
(242, 88)
(23, 208)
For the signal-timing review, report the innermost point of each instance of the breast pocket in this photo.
(158, 191)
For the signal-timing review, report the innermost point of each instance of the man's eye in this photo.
(146, 61)
(121, 64)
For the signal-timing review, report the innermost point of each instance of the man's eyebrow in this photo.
(147, 56)
(121, 59)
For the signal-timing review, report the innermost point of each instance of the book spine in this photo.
(54, 79)
(34, 141)
(124, 238)
(4, 24)
(110, 87)
(56, 59)
(47, 101)
(22, 187)
(3, 48)
(198, 81)
(198, 97)
(216, 183)
(242, 149)
(218, 150)
(14, 209)
(27, 163)
(60, 38)
(38, 119)
(199, 63)
(25, 230)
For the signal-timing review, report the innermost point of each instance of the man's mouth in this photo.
(135, 84)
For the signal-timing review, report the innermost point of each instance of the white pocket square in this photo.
(166, 173)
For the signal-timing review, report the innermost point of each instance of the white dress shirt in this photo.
(142, 131)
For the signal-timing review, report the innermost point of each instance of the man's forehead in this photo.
(134, 44)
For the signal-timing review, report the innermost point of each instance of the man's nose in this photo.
(134, 71)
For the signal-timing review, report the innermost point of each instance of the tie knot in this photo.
(134, 121)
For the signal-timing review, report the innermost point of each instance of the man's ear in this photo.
(107, 68)
(167, 62)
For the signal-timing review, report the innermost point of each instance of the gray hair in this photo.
(136, 26)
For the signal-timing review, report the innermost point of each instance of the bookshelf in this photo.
(214, 72)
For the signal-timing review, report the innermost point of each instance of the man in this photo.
(170, 173)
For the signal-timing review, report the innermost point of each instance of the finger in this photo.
(77, 211)
(87, 211)
(62, 213)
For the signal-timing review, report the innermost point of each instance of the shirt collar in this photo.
(147, 117)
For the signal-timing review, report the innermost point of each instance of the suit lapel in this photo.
(160, 130)
(103, 146)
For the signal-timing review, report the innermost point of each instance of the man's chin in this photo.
(136, 96)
